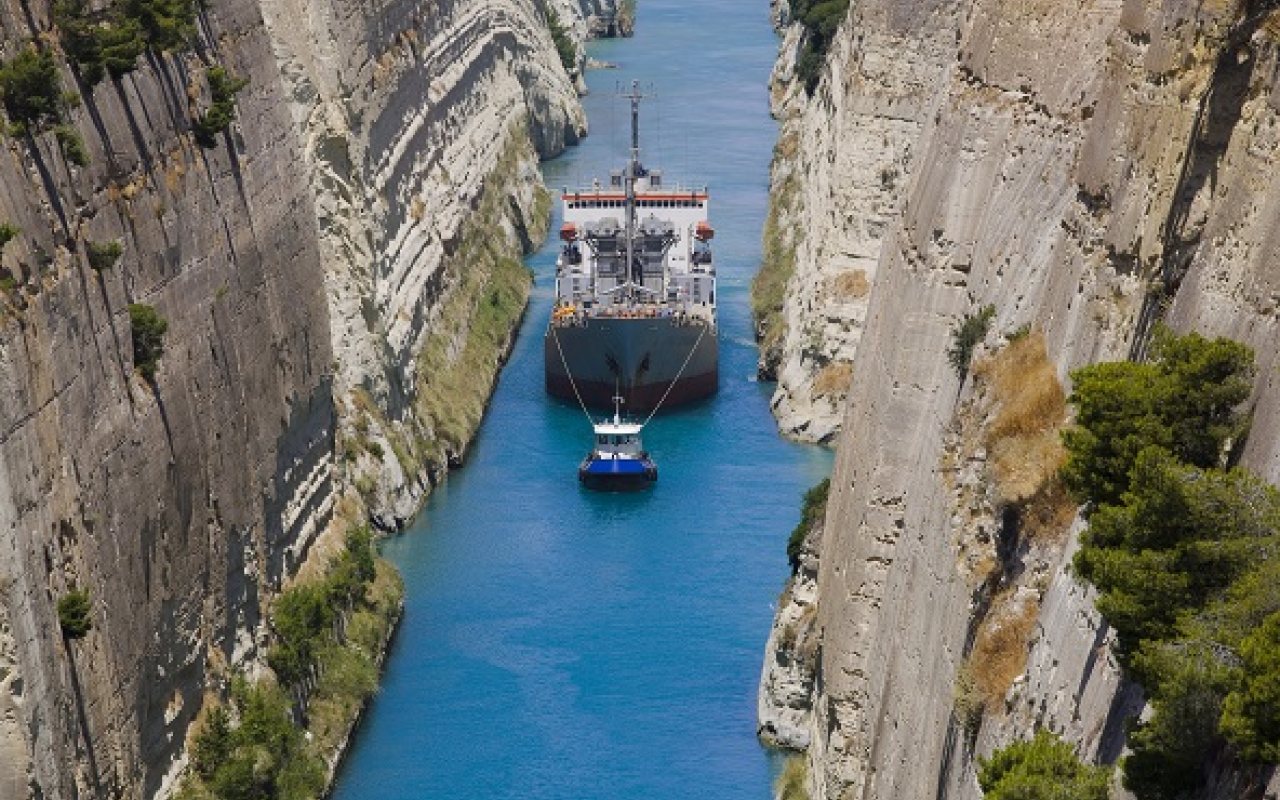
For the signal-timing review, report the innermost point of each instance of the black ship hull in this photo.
(642, 360)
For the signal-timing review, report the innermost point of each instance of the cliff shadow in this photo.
(82, 716)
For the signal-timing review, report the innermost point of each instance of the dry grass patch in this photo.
(833, 380)
(1000, 649)
(793, 783)
(851, 285)
(1023, 439)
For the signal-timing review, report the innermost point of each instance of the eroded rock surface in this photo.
(303, 264)
(1085, 168)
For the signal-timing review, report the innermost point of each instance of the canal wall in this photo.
(307, 259)
(1084, 169)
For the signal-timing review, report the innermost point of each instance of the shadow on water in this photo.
(562, 643)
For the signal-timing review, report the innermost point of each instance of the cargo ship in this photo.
(635, 307)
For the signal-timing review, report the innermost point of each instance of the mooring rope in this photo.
(572, 382)
(676, 380)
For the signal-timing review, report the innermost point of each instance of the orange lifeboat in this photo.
(704, 232)
(569, 232)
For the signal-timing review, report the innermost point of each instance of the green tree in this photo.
(1042, 768)
(300, 616)
(74, 614)
(98, 43)
(148, 329)
(165, 24)
(1185, 401)
(1187, 680)
(8, 233)
(1180, 537)
(212, 745)
(31, 89)
(1251, 713)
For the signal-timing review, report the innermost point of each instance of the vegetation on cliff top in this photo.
(1185, 553)
(1042, 768)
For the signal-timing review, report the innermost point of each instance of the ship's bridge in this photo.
(671, 249)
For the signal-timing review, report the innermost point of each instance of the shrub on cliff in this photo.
(110, 40)
(31, 90)
(96, 43)
(1185, 401)
(148, 330)
(564, 44)
(222, 90)
(966, 336)
(71, 144)
(793, 781)
(104, 255)
(74, 611)
(821, 19)
(812, 510)
(1042, 768)
(8, 232)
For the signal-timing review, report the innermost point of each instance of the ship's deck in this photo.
(567, 314)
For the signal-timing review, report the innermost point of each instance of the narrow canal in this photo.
(564, 645)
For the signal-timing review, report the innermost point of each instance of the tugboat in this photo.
(618, 462)
(635, 310)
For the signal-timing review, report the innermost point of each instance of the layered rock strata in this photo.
(303, 264)
(843, 159)
(1086, 169)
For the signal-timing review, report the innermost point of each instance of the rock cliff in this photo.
(315, 266)
(1086, 169)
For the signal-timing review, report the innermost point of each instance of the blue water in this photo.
(566, 645)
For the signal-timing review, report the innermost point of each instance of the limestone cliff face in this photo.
(303, 264)
(1085, 168)
(405, 109)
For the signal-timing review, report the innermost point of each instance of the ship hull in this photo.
(639, 360)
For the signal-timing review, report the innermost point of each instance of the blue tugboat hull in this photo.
(617, 475)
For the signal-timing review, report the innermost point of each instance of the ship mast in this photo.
(632, 169)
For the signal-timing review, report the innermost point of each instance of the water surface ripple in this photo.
(564, 645)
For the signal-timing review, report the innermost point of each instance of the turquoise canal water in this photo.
(564, 645)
